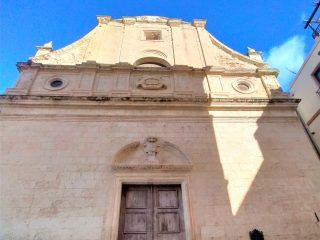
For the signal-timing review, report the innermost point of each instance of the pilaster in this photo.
(180, 57)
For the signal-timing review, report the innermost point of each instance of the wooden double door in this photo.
(151, 212)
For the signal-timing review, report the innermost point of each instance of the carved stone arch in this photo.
(152, 56)
(157, 61)
(151, 153)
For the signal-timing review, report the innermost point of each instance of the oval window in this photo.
(56, 83)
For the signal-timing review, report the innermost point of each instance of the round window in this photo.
(243, 86)
(56, 83)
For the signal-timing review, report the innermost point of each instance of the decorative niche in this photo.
(152, 35)
(152, 153)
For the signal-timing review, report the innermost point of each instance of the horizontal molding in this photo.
(92, 65)
(118, 118)
(151, 99)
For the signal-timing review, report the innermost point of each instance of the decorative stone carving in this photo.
(151, 146)
(148, 82)
(199, 23)
(228, 57)
(42, 50)
(153, 52)
(232, 61)
(253, 54)
(47, 45)
(69, 55)
(152, 153)
(103, 19)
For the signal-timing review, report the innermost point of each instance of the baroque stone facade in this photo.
(153, 101)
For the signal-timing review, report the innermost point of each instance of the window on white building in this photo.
(316, 74)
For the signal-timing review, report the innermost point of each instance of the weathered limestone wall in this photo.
(251, 169)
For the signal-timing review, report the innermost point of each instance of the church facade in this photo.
(150, 128)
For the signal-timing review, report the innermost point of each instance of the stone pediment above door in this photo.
(152, 153)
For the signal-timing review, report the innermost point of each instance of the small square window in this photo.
(316, 74)
(152, 35)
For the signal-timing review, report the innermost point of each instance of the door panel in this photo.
(168, 199)
(135, 223)
(136, 199)
(168, 213)
(151, 212)
(136, 213)
(168, 222)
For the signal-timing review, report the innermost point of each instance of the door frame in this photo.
(143, 179)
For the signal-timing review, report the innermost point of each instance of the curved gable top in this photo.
(128, 39)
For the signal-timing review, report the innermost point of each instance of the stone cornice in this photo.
(242, 71)
(126, 66)
(84, 109)
(168, 102)
(129, 20)
(71, 108)
(267, 71)
(174, 22)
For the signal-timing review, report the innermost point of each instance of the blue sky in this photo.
(273, 27)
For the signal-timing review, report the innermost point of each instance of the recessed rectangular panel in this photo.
(104, 82)
(135, 236)
(168, 222)
(122, 81)
(152, 35)
(168, 199)
(135, 222)
(136, 199)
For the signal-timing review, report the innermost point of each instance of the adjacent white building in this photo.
(306, 86)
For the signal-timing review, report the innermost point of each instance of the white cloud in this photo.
(288, 58)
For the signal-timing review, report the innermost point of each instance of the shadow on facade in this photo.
(282, 197)
(264, 177)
